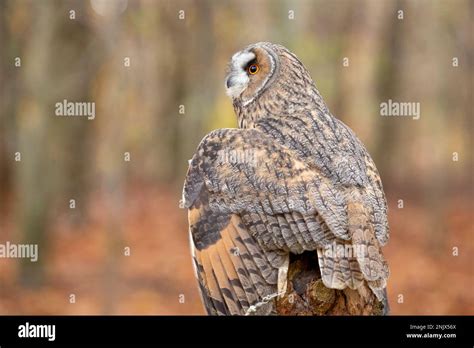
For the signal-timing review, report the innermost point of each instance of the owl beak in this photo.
(235, 83)
(231, 81)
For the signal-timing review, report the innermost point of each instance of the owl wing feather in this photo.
(235, 275)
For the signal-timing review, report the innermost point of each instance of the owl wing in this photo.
(251, 201)
(332, 147)
(243, 170)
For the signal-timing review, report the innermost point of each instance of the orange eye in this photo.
(253, 69)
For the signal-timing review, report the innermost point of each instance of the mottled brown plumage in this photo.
(291, 179)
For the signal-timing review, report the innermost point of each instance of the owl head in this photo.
(252, 70)
(267, 76)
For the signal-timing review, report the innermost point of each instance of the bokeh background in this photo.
(178, 64)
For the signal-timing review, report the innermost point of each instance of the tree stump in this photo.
(307, 295)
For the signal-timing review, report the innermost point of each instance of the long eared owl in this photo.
(292, 179)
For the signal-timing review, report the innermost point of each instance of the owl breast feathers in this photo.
(291, 179)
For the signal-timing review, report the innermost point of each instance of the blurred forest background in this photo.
(177, 63)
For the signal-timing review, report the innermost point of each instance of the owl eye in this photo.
(253, 69)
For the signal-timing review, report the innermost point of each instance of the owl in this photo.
(292, 180)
